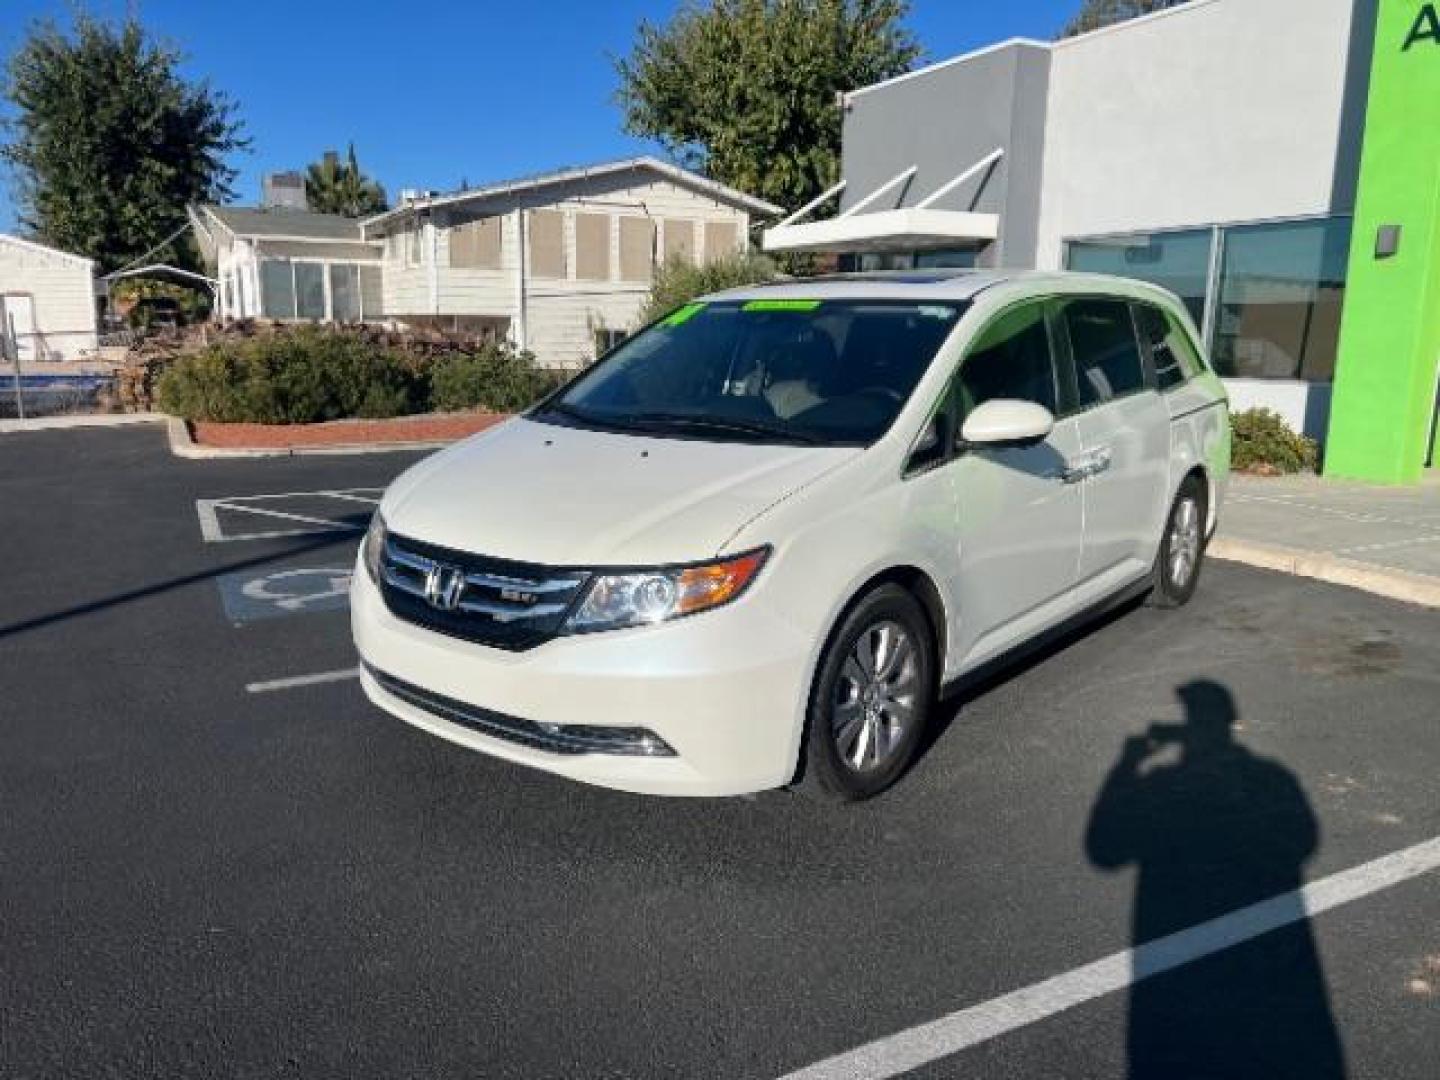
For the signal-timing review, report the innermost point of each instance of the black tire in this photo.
(1182, 548)
(890, 728)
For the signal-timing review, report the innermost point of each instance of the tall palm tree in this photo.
(333, 187)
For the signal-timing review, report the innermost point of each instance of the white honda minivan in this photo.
(758, 542)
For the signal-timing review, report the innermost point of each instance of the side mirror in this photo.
(1007, 420)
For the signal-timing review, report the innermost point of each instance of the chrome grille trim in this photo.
(509, 605)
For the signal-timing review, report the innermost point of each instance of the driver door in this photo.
(1019, 514)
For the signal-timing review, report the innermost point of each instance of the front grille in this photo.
(506, 604)
(556, 738)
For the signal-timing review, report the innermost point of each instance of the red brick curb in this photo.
(433, 427)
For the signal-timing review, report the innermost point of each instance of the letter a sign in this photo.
(1426, 28)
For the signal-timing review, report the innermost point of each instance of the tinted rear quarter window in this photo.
(1103, 344)
(1172, 353)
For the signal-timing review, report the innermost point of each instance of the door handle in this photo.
(1091, 464)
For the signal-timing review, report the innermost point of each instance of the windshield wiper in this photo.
(581, 416)
(732, 425)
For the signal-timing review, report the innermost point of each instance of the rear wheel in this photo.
(1177, 566)
(872, 697)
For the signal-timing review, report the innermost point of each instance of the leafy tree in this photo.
(109, 143)
(1097, 13)
(333, 187)
(679, 280)
(745, 90)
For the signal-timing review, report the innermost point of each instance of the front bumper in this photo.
(725, 690)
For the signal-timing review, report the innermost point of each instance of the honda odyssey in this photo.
(757, 543)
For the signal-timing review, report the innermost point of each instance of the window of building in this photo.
(546, 230)
(679, 240)
(1103, 345)
(722, 239)
(476, 244)
(372, 290)
(1178, 261)
(1011, 360)
(414, 253)
(1280, 293)
(592, 247)
(637, 249)
(344, 292)
(277, 289)
(606, 339)
(961, 258)
(1171, 352)
(309, 290)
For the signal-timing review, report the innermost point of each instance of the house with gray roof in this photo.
(559, 263)
(281, 262)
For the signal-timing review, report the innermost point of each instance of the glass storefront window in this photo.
(1281, 288)
(277, 289)
(1178, 261)
(309, 290)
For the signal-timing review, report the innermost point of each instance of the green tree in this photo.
(745, 90)
(679, 280)
(336, 187)
(1094, 14)
(108, 142)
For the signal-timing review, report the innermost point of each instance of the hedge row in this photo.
(310, 374)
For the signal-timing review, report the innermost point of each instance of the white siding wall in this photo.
(62, 290)
(1218, 111)
(561, 315)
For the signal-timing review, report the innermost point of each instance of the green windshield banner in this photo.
(1384, 404)
(682, 315)
(780, 305)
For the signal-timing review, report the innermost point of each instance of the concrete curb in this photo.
(182, 445)
(81, 420)
(1322, 566)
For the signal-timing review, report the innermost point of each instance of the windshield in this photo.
(822, 372)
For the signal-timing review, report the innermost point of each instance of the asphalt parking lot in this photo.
(217, 860)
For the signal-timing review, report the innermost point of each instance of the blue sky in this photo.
(438, 92)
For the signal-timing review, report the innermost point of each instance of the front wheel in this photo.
(1177, 566)
(872, 697)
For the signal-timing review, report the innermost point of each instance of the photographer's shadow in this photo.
(1213, 830)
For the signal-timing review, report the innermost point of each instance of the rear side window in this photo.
(1102, 342)
(1171, 351)
(1010, 360)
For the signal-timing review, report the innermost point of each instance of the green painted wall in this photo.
(1390, 331)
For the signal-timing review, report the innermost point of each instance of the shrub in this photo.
(1262, 442)
(679, 281)
(493, 377)
(300, 376)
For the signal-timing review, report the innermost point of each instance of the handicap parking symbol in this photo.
(279, 593)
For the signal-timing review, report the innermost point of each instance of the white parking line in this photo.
(211, 530)
(917, 1046)
(340, 675)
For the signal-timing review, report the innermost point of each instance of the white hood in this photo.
(569, 497)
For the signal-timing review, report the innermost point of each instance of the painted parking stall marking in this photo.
(298, 590)
(285, 514)
(965, 1028)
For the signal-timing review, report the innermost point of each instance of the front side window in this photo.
(1171, 351)
(1010, 359)
(1102, 343)
(824, 372)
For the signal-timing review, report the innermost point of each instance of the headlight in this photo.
(643, 597)
(373, 546)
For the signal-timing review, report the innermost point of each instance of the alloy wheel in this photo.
(876, 696)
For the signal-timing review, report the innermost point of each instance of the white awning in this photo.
(909, 229)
